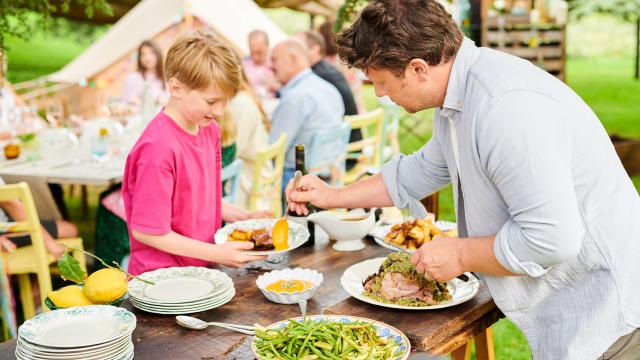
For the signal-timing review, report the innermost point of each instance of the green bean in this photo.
(323, 340)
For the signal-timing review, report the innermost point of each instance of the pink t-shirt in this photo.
(172, 183)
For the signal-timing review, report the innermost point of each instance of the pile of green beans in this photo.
(325, 339)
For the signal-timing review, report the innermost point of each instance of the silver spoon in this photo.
(303, 308)
(197, 324)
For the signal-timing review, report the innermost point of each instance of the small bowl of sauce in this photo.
(288, 286)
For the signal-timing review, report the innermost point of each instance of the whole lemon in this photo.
(69, 296)
(105, 286)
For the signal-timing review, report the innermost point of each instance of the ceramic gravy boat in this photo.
(347, 229)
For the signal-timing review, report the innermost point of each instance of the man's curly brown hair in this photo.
(389, 33)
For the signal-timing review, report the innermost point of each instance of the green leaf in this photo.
(70, 269)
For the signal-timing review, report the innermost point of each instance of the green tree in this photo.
(627, 10)
(19, 18)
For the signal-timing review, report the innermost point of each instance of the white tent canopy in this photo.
(234, 20)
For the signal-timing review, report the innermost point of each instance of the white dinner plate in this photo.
(380, 231)
(56, 353)
(222, 297)
(355, 275)
(78, 326)
(298, 234)
(196, 283)
(185, 310)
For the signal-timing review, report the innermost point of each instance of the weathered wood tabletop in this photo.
(440, 331)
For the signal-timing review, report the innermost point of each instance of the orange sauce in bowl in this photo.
(289, 286)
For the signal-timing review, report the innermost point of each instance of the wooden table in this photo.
(438, 331)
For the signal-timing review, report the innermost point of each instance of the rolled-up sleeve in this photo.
(411, 178)
(525, 146)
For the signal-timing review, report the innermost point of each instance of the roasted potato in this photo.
(414, 233)
(240, 235)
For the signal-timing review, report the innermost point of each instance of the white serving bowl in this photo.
(347, 229)
(310, 275)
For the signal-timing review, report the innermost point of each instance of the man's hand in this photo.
(310, 190)
(439, 258)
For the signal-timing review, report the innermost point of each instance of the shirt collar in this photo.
(466, 56)
(295, 80)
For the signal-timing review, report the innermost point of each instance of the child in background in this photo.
(171, 186)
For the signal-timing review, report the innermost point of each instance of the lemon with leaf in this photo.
(105, 286)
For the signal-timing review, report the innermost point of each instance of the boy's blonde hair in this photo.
(199, 60)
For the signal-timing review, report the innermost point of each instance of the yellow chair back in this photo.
(31, 259)
(269, 185)
(367, 151)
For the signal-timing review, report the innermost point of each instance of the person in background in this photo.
(145, 88)
(257, 67)
(316, 45)
(317, 50)
(247, 114)
(546, 214)
(228, 130)
(171, 186)
(13, 210)
(354, 77)
(307, 103)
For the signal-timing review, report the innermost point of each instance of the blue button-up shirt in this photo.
(307, 104)
(539, 172)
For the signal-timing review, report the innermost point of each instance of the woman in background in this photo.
(145, 88)
(248, 115)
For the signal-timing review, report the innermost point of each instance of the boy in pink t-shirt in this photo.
(171, 186)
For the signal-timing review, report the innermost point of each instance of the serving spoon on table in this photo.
(197, 324)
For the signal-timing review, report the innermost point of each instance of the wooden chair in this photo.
(390, 144)
(7, 316)
(326, 155)
(32, 259)
(269, 185)
(368, 150)
(231, 173)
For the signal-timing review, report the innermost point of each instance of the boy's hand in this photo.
(261, 214)
(229, 253)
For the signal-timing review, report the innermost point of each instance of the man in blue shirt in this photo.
(307, 103)
(547, 215)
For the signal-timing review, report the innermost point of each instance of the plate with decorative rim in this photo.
(176, 285)
(298, 234)
(383, 330)
(115, 353)
(380, 231)
(356, 274)
(214, 303)
(57, 353)
(225, 295)
(78, 326)
(184, 310)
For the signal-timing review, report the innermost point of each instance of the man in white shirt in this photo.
(546, 213)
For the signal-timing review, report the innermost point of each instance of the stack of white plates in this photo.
(181, 290)
(78, 333)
